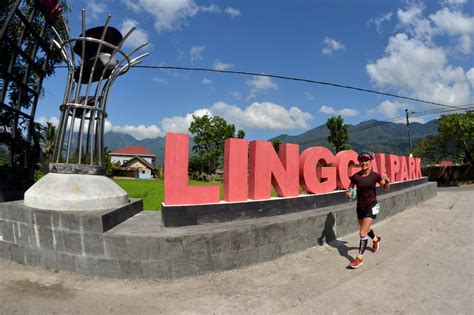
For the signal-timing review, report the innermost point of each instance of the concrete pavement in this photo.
(424, 266)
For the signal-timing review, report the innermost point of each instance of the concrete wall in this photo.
(141, 247)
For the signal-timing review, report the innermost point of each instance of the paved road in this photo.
(425, 266)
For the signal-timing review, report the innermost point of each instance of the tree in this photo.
(455, 140)
(430, 149)
(276, 145)
(209, 135)
(338, 133)
(458, 129)
(49, 138)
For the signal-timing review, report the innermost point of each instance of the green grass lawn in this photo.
(151, 190)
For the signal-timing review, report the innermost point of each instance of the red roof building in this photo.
(124, 155)
(133, 150)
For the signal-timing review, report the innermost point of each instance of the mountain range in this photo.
(372, 135)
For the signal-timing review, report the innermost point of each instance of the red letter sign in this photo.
(317, 179)
(236, 162)
(177, 191)
(344, 160)
(267, 169)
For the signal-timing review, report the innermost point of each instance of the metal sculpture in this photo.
(95, 60)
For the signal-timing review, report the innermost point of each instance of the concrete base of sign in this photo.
(141, 247)
(74, 192)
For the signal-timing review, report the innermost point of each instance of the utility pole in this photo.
(409, 132)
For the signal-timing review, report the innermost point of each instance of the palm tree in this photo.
(49, 137)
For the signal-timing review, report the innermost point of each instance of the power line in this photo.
(297, 79)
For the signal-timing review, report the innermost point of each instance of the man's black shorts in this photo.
(365, 213)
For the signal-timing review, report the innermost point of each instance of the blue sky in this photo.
(420, 49)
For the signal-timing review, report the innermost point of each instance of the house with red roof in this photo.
(135, 161)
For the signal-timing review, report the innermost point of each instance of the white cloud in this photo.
(395, 111)
(160, 80)
(138, 37)
(181, 124)
(236, 95)
(411, 15)
(345, 112)
(96, 9)
(331, 45)
(454, 2)
(348, 112)
(206, 81)
(132, 5)
(465, 44)
(257, 116)
(263, 116)
(139, 132)
(232, 12)
(378, 21)
(413, 67)
(196, 53)
(470, 76)
(453, 22)
(309, 96)
(167, 14)
(212, 8)
(261, 83)
(219, 65)
(43, 120)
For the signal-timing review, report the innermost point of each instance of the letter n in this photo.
(268, 169)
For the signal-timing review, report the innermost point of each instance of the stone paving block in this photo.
(48, 259)
(208, 263)
(70, 221)
(173, 247)
(269, 252)
(22, 234)
(130, 269)
(145, 248)
(18, 253)
(324, 227)
(108, 267)
(7, 231)
(346, 222)
(219, 242)
(33, 257)
(87, 265)
(240, 239)
(193, 245)
(93, 244)
(5, 250)
(267, 234)
(58, 240)
(43, 218)
(72, 242)
(183, 267)
(67, 262)
(156, 269)
(91, 223)
(116, 246)
(45, 237)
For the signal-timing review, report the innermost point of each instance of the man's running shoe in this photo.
(356, 263)
(376, 244)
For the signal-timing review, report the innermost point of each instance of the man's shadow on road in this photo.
(329, 237)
